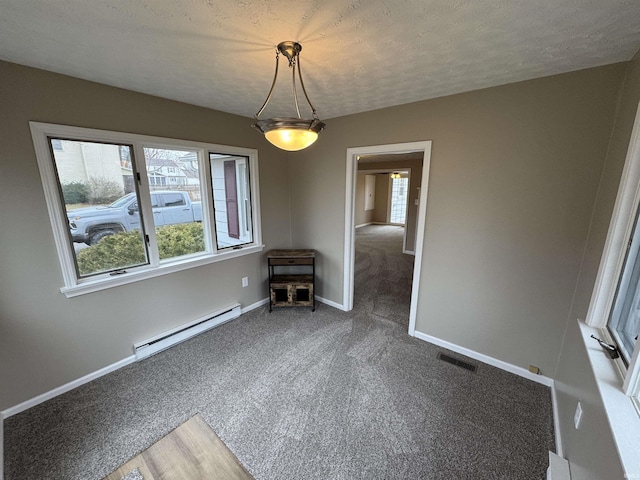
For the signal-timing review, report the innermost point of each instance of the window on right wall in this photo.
(615, 303)
(624, 317)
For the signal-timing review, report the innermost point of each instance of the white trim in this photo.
(349, 229)
(253, 306)
(74, 286)
(558, 468)
(508, 367)
(331, 303)
(631, 385)
(614, 252)
(1, 446)
(556, 420)
(620, 228)
(364, 225)
(21, 407)
(164, 269)
(623, 418)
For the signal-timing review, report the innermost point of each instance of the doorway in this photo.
(353, 156)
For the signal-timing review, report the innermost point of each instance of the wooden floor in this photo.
(191, 452)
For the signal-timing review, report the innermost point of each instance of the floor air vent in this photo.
(457, 362)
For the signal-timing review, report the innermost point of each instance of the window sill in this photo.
(620, 409)
(96, 285)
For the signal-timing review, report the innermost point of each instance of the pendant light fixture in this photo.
(290, 133)
(395, 175)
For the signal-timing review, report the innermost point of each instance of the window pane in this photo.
(101, 205)
(624, 322)
(399, 200)
(230, 178)
(174, 182)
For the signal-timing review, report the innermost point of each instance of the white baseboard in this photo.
(523, 372)
(21, 407)
(253, 306)
(363, 225)
(558, 468)
(331, 303)
(1, 446)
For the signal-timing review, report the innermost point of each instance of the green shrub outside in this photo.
(181, 239)
(126, 249)
(98, 191)
(75, 192)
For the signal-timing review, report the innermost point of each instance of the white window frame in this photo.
(73, 285)
(619, 385)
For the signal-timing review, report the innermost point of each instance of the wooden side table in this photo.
(292, 278)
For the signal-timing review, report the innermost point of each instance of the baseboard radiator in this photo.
(179, 334)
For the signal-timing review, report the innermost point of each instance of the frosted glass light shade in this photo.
(291, 134)
(291, 139)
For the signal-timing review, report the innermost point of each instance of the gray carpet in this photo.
(383, 274)
(300, 395)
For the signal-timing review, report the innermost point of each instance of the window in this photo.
(399, 190)
(624, 319)
(231, 199)
(116, 218)
(615, 303)
(611, 315)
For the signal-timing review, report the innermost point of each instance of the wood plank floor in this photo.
(191, 452)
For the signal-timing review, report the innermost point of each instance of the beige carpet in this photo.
(191, 452)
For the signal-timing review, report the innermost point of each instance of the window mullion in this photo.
(145, 205)
(631, 385)
(207, 201)
(210, 212)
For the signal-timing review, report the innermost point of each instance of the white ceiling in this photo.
(357, 55)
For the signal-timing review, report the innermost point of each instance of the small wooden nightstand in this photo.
(292, 278)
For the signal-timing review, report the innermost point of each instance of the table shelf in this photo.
(291, 278)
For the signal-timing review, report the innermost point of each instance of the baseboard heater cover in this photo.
(179, 334)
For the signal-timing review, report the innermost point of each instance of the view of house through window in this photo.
(99, 201)
(123, 203)
(231, 199)
(174, 185)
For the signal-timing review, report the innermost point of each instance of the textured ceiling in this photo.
(357, 55)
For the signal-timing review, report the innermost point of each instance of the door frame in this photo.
(349, 230)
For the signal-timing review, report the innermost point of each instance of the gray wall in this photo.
(513, 181)
(382, 199)
(514, 176)
(46, 339)
(589, 451)
(362, 216)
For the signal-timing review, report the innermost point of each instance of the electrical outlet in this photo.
(577, 418)
(245, 282)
